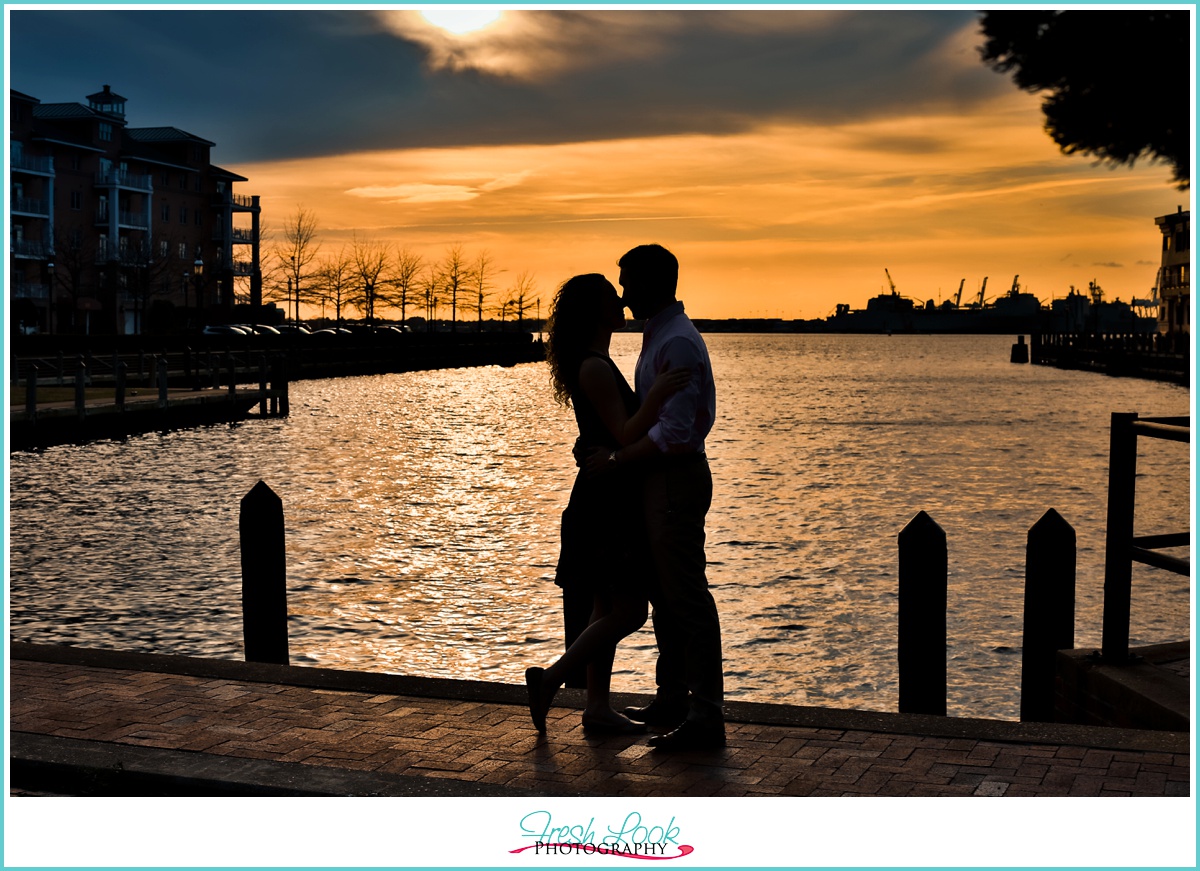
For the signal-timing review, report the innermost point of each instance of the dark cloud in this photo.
(277, 84)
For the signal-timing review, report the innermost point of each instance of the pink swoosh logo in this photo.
(684, 850)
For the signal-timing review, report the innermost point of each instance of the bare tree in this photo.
(455, 277)
(297, 254)
(431, 287)
(521, 296)
(335, 280)
(481, 281)
(370, 260)
(75, 260)
(145, 272)
(405, 281)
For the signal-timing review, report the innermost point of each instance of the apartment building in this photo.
(119, 229)
(1174, 278)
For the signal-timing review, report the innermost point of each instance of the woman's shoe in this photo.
(609, 727)
(539, 702)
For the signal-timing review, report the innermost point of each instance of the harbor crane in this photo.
(891, 283)
(982, 288)
(1016, 288)
(958, 296)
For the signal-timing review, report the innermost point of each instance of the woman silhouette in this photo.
(604, 547)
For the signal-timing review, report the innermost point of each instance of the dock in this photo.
(99, 722)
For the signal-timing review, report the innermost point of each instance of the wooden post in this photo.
(279, 385)
(262, 384)
(120, 387)
(1118, 539)
(264, 576)
(80, 384)
(31, 387)
(1049, 621)
(231, 366)
(162, 382)
(921, 648)
(62, 369)
(141, 364)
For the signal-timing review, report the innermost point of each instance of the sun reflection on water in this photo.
(422, 514)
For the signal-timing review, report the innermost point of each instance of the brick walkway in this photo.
(480, 737)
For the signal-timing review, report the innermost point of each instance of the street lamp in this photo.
(198, 272)
(50, 296)
(186, 280)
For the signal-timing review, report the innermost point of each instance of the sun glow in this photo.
(461, 19)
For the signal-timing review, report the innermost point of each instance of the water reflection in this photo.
(422, 518)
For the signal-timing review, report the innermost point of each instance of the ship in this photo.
(1015, 311)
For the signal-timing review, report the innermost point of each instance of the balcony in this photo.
(37, 164)
(123, 179)
(243, 267)
(30, 249)
(125, 220)
(30, 206)
(23, 290)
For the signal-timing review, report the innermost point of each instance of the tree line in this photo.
(370, 278)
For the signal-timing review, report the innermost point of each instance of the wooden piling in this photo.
(1118, 539)
(262, 384)
(80, 385)
(162, 381)
(921, 644)
(1049, 618)
(264, 576)
(119, 372)
(1020, 351)
(31, 386)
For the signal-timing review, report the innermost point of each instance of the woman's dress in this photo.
(603, 527)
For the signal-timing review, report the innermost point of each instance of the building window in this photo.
(105, 132)
(183, 214)
(75, 161)
(166, 212)
(183, 182)
(163, 249)
(183, 251)
(76, 200)
(199, 218)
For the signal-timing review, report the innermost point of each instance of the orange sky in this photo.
(787, 156)
(783, 221)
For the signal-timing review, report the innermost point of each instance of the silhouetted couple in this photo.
(633, 530)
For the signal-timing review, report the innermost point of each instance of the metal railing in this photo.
(25, 290)
(30, 248)
(124, 178)
(31, 206)
(33, 163)
(1122, 548)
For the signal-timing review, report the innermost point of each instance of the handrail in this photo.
(1122, 548)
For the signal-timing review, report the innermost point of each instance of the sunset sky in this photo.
(787, 156)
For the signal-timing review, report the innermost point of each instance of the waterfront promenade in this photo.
(97, 722)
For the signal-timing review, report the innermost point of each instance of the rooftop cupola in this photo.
(107, 102)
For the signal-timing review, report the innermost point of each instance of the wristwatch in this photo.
(612, 459)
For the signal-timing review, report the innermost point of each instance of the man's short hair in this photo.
(653, 264)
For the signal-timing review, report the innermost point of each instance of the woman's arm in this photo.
(600, 387)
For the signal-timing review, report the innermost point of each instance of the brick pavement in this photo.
(471, 738)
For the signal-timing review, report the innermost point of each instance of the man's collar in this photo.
(671, 311)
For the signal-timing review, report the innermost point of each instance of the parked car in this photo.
(293, 330)
(223, 330)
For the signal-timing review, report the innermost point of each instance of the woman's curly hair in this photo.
(578, 308)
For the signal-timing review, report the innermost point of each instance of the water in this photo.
(422, 518)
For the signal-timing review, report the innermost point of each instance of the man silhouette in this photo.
(690, 697)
